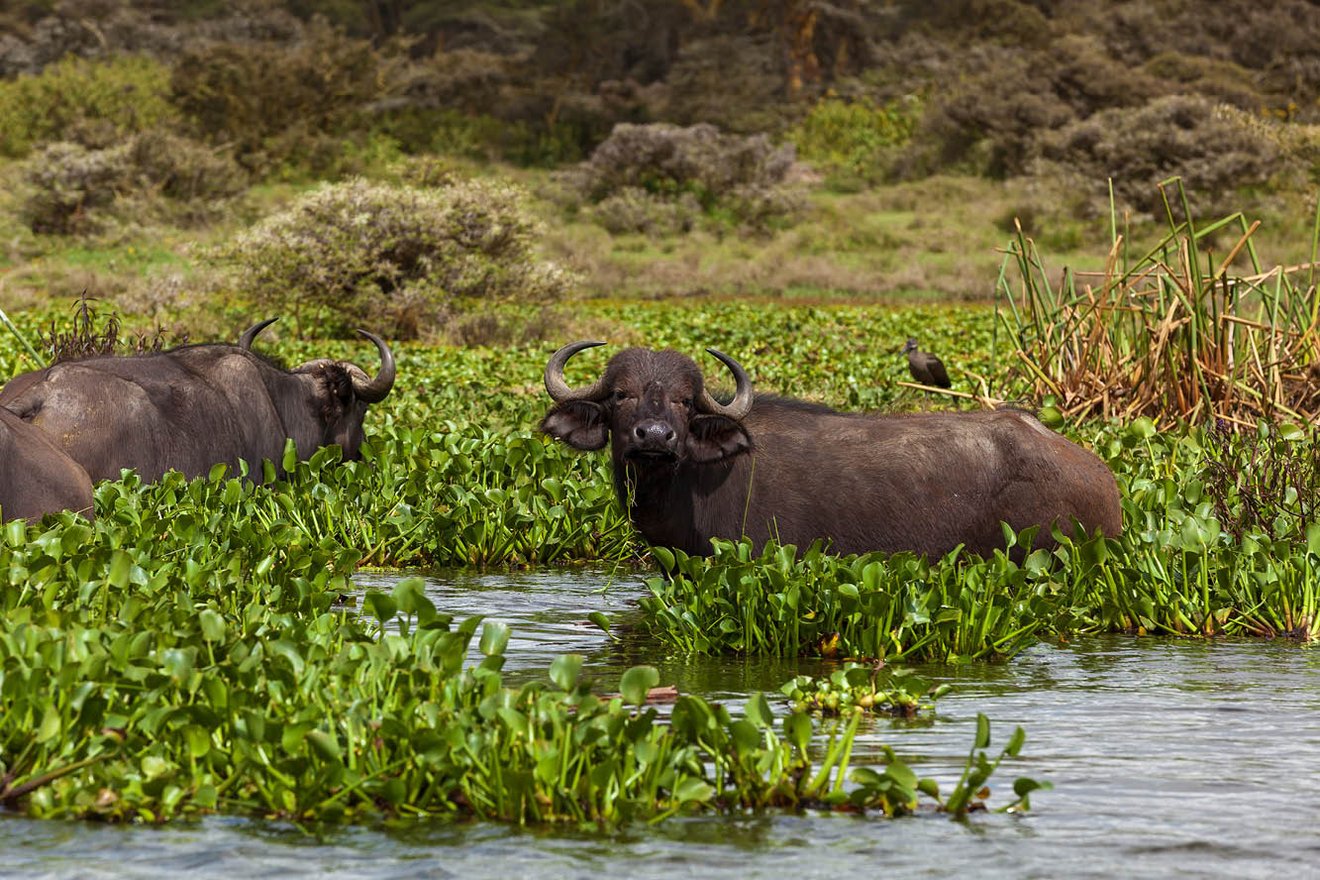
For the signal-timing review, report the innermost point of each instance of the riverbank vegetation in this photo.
(186, 653)
(1085, 214)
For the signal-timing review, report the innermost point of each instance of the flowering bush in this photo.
(649, 178)
(399, 258)
(73, 190)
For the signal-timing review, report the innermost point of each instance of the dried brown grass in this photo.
(1176, 335)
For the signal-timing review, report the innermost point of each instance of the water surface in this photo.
(1169, 759)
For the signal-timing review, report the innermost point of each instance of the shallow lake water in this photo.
(1169, 759)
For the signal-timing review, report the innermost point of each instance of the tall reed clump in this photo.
(1178, 334)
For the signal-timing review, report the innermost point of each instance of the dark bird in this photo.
(925, 367)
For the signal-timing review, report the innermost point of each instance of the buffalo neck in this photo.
(673, 504)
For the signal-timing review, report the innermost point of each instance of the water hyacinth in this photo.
(184, 654)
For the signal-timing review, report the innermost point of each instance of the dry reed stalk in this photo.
(1165, 339)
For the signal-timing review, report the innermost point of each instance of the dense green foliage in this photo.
(186, 653)
(1174, 570)
(94, 103)
(394, 257)
(276, 103)
(854, 142)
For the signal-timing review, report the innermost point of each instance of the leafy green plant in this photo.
(183, 655)
(886, 607)
(395, 257)
(92, 103)
(857, 688)
(853, 142)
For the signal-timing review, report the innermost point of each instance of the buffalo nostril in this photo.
(654, 432)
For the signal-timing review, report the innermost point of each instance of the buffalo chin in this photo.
(652, 456)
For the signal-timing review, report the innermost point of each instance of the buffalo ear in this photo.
(711, 438)
(579, 423)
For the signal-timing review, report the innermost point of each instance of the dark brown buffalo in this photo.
(690, 469)
(36, 476)
(196, 406)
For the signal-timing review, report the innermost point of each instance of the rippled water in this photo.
(1169, 759)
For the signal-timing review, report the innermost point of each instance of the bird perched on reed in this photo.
(925, 367)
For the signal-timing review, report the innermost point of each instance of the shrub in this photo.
(182, 169)
(274, 102)
(854, 140)
(395, 257)
(723, 174)
(75, 190)
(1216, 149)
(67, 183)
(92, 103)
(635, 210)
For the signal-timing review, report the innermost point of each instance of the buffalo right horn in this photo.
(245, 341)
(375, 390)
(555, 385)
(741, 404)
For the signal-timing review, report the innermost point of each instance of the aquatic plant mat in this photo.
(183, 655)
(1221, 537)
(186, 653)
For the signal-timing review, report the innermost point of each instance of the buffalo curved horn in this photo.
(245, 341)
(555, 385)
(741, 404)
(376, 389)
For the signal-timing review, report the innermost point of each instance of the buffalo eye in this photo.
(620, 395)
(687, 403)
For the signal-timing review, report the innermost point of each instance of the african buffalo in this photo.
(195, 406)
(36, 476)
(689, 468)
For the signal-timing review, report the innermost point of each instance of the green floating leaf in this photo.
(797, 727)
(601, 620)
(690, 788)
(758, 710)
(564, 671)
(982, 731)
(324, 745)
(637, 682)
(213, 625)
(382, 606)
(494, 637)
(1015, 742)
(50, 724)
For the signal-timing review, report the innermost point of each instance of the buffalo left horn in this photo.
(245, 341)
(741, 404)
(377, 388)
(555, 385)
